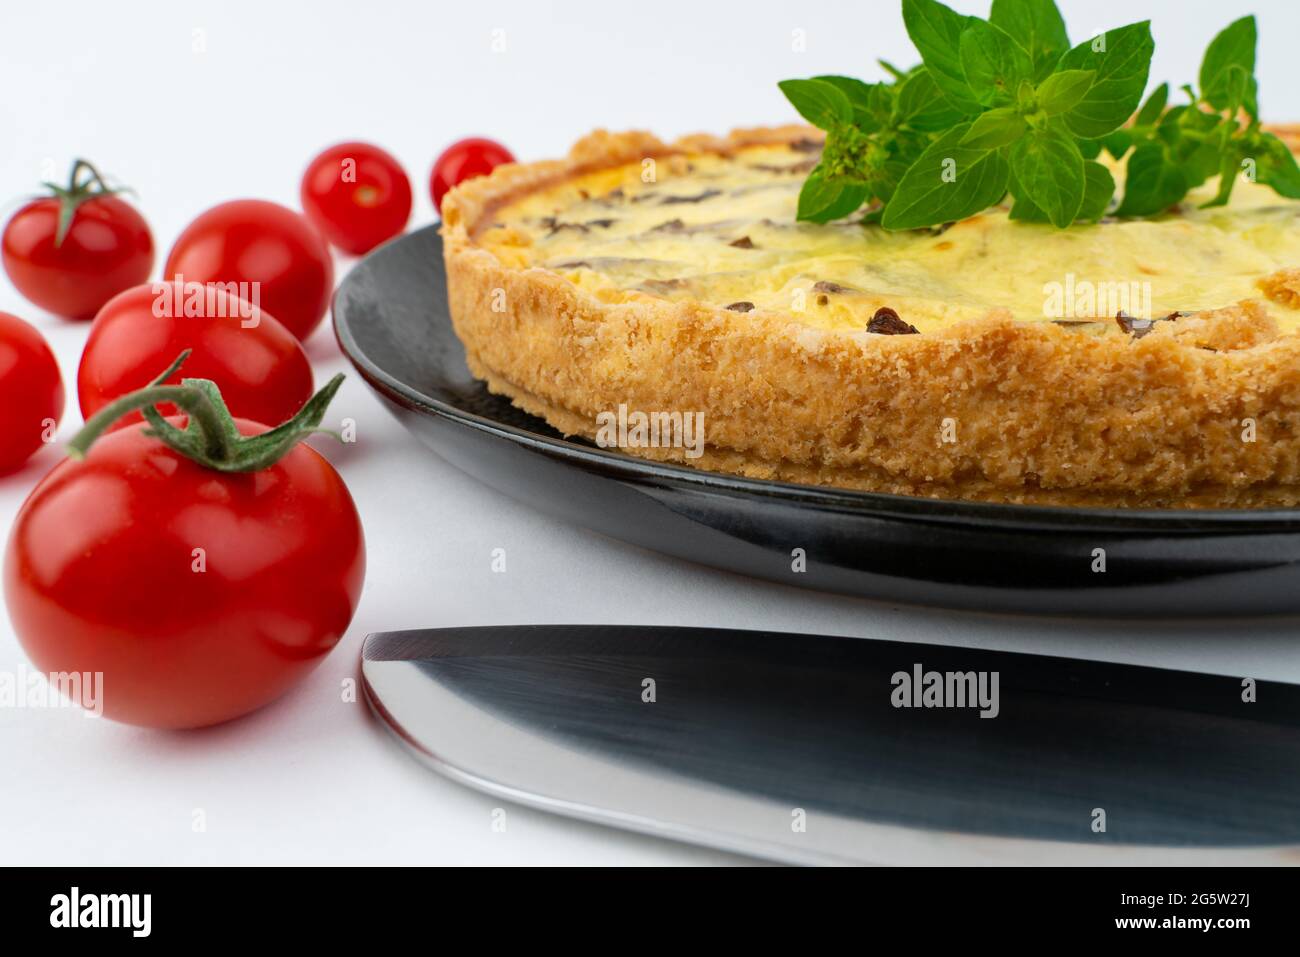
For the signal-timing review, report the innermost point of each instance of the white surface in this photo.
(312, 779)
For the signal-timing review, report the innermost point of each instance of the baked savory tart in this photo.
(1145, 363)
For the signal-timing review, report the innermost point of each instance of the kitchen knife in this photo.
(812, 749)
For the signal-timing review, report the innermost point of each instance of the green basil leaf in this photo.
(1037, 26)
(1197, 155)
(1198, 162)
(1063, 91)
(1099, 190)
(1090, 149)
(1154, 107)
(936, 31)
(994, 63)
(995, 128)
(1023, 209)
(1049, 168)
(1233, 47)
(922, 105)
(1152, 183)
(1275, 165)
(905, 151)
(862, 98)
(1251, 101)
(884, 182)
(1117, 143)
(881, 102)
(1229, 169)
(1177, 121)
(820, 103)
(822, 200)
(947, 183)
(895, 72)
(1236, 84)
(1170, 127)
(1122, 61)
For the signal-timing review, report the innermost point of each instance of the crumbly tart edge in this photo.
(992, 409)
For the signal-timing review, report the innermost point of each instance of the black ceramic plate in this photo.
(391, 318)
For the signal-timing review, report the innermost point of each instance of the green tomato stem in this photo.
(210, 437)
(76, 192)
(193, 401)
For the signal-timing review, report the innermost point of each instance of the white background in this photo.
(196, 103)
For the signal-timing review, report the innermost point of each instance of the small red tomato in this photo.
(31, 392)
(259, 366)
(196, 594)
(357, 195)
(464, 160)
(254, 241)
(71, 252)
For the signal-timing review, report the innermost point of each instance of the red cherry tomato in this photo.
(198, 595)
(261, 369)
(31, 392)
(106, 247)
(251, 240)
(357, 195)
(464, 160)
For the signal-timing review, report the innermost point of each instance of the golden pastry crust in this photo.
(1282, 286)
(1201, 412)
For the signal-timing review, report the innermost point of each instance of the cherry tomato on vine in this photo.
(357, 195)
(200, 573)
(464, 160)
(31, 392)
(254, 241)
(72, 251)
(260, 367)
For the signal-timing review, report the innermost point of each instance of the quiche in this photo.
(1140, 363)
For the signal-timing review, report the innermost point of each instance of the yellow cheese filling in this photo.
(722, 230)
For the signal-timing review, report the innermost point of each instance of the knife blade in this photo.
(831, 750)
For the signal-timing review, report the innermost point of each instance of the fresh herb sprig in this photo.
(1007, 105)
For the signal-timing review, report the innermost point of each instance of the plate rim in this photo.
(897, 507)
